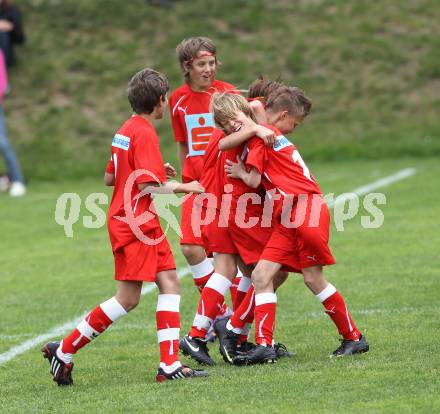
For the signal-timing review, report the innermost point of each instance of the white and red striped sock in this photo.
(201, 273)
(96, 322)
(243, 287)
(336, 308)
(168, 330)
(244, 313)
(211, 301)
(265, 313)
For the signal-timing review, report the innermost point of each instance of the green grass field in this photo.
(370, 68)
(388, 275)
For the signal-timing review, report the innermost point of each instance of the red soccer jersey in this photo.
(213, 168)
(193, 123)
(135, 147)
(281, 166)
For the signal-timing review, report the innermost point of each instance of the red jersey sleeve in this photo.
(147, 156)
(110, 169)
(178, 128)
(257, 154)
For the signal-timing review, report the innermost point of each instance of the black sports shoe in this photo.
(197, 349)
(282, 352)
(259, 355)
(228, 340)
(351, 347)
(61, 372)
(245, 347)
(182, 372)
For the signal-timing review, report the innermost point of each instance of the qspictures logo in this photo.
(291, 211)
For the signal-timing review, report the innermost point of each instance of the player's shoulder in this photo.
(138, 127)
(222, 86)
(274, 129)
(179, 92)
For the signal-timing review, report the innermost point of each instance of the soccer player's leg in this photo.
(265, 314)
(192, 245)
(168, 329)
(353, 342)
(211, 300)
(60, 355)
(314, 253)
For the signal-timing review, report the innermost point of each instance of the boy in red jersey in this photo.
(299, 241)
(193, 125)
(140, 249)
(216, 233)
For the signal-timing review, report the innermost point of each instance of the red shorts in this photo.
(217, 239)
(142, 262)
(249, 240)
(303, 246)
(188, 236)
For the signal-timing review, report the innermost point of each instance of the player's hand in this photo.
(170, 170)
(244, 120)
(266, 134)
(193, 187)
(235, 169)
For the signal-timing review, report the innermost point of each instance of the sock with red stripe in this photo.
(168, 330)
(95, 323)
(265, 312)
(244, 313)
(336, 308)
(211, 301)
(244, 336)
(201, 273)
(243, 287)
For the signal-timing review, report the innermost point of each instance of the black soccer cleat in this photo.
(259, 355)
(228, 340)
(351, 348)
(282, 351)
(197, 349)
(183, 372)
(61, 372)
(245, 347)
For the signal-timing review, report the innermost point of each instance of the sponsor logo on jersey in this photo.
(199, 128)
(121, 141)
(281, 142)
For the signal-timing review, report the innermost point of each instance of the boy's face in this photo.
(161, 107)
(202, 72)
(286, 123)
(238, 122)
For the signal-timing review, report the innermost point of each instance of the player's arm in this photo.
(259, 111)
(248, 130)
(109, 179)
(251, 178)
(171, 187)
(182, 152)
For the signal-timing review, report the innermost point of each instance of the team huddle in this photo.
(252, 214)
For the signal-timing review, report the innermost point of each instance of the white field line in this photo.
(59, 330)
(382, 182)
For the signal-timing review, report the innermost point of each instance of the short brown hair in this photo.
(224, 107)
(262, 87)
(188, 49)
(146, 89)
(290, 99)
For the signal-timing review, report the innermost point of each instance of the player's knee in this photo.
(259, 277)
(188, 251)
(129, 303)
(312, 277)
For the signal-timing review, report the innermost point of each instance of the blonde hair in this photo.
(225, 107)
